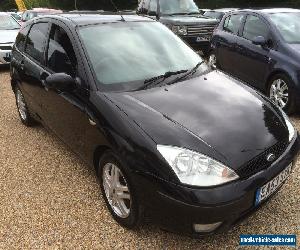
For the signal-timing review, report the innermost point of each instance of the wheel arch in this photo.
(98, 153)
(273, 74)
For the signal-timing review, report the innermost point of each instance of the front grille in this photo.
(202, 30)
(5, 47)
(260, 162)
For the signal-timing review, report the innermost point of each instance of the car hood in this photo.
(229, 121)
(8, 36)
(187, 20)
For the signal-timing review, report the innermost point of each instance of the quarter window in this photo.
(61, 56)
(21, 38)
(232, 23)
(36, 41)
(254, 27)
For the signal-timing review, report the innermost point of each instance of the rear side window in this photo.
(254, 27)
(61, 56)
(21, 38)
(36, 41)
(232, 23)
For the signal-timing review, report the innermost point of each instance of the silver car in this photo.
(9, 29)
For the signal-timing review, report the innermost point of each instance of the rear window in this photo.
(233, 23)
(36, 41)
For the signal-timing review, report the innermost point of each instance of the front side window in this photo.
(171, 7)
(255, 27)
(61, 56)
(288, 25)
(36, 41)
(8, 23)
(124, 55)
(233, 23)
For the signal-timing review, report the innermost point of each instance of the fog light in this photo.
(206, 228)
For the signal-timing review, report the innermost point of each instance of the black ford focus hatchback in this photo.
(188, 148)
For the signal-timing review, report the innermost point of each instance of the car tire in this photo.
(126, 212)
(280, 91)
(22, 108)
(212, 60)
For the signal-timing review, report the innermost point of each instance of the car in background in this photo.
(218, 13)
(15, 15)
(35, 12)
(183, 18)
(9, 29)
(172, 141)
(262, 48)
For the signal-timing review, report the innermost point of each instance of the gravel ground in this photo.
(49, 199)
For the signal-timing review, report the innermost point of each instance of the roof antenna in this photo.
(116, 8)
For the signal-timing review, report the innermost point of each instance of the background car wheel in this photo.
(23, 108)
(280, 92)
(118, 192)
(212, 60)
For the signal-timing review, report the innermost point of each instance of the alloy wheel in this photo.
(116, 190)
(21, 105)
(279, 93)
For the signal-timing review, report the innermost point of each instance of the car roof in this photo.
(269, 10)
(88, 19)
(225, 10)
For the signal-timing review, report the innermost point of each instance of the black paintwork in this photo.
(256, 64)
(193, 20)
(212, 114)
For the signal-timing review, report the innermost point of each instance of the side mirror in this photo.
(60, 81)
(259, 40)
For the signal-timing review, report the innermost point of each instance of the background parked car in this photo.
(15, 15)
(9, 29)
(218, 13)
(262, 48)
(183, 18)
(35, 12)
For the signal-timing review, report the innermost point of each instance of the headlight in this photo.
(180, 30)
(289, 125)
(196, 169)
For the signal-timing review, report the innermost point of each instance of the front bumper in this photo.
(197, 44)
(177, 208)
(5, 53)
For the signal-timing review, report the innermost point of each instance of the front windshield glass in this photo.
(288, 25)
(124, 55)
(8, 23)
(169, 7)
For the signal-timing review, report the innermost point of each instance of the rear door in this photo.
(253, 60)
(31, 66)
(226, 42)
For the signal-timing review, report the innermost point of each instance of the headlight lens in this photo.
(196, 169)
(180, 30)
(289, 125)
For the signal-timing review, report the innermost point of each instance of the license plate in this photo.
(203, 39)
(268, 189)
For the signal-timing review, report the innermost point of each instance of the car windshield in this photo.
(8, 23)
(288, 25)
(214, 14)
(124, 55)
(169, 7)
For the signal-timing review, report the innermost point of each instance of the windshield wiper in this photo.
(154, 80)
(189, 73)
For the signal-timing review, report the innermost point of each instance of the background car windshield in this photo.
(178, 6)
(288, 25)
(126, 54)
(8, 23)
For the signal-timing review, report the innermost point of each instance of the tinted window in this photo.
(21, 38)
(36, 41)
(254, 27)
(61, 55)
(288, 25)
(233, 23)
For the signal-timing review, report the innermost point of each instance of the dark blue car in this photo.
(262, 48)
